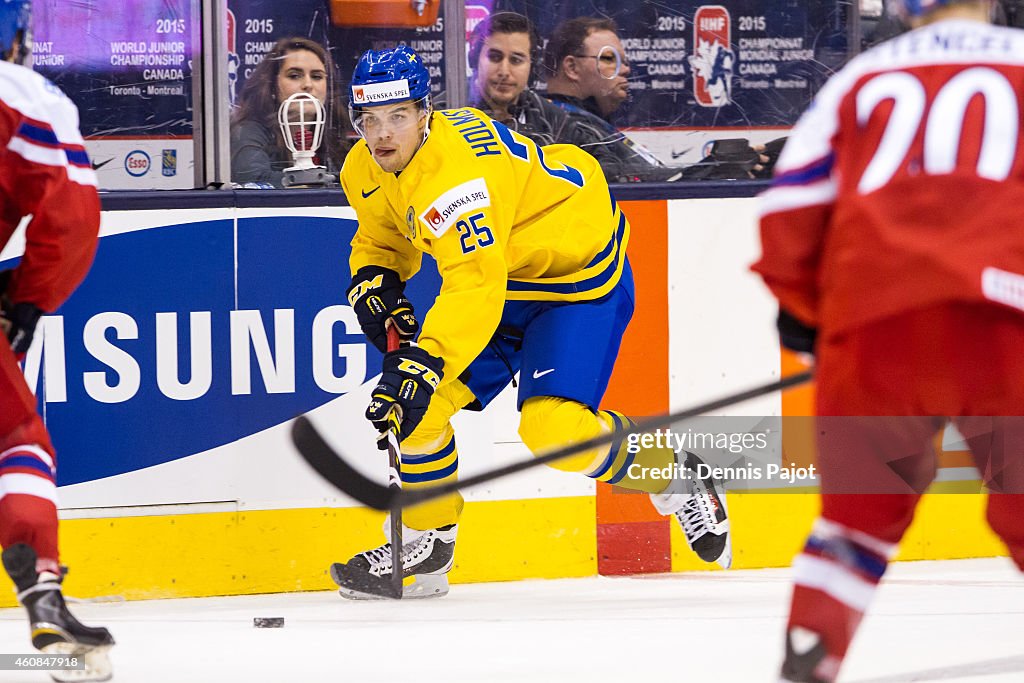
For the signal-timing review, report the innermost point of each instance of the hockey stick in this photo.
(395, 484)
(333, 467)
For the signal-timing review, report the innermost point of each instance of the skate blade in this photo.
(725, 559)
(359, 586)
(97, 662)
(422, 586)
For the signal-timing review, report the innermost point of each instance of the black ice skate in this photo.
(700, 508)
(427, 557)
(806, 660)
(54, 629)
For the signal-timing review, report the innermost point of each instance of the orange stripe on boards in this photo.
(616, 505)
(798, 445)
(639, 384)
(954, 457)
(631, 536)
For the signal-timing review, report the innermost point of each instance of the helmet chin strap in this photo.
(426, 128)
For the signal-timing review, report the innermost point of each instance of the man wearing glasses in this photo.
(588, 67)
(588, 76)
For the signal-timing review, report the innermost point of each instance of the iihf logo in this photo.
(712, 61)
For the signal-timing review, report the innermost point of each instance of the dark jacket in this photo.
(622, 159)
(255, 156)
(547, 122)
(534, 116)
(625, 161)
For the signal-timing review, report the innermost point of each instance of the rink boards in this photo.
(170, 378)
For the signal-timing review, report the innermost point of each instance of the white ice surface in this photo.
(931, 621)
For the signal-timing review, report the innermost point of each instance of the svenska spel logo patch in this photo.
(433, 218)
(444, 211)
(380, 92)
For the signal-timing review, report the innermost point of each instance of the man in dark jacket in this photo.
(504, 54)
(588, 78)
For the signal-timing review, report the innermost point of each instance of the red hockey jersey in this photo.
(46, 173)
(902, 186)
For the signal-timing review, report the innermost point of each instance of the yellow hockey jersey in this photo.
(502, 217)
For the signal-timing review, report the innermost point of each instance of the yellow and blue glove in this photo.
(378, 295)
(410, 377)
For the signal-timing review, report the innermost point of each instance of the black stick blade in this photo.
(332, 466)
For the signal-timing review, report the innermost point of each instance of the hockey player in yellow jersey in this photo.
(531, 248)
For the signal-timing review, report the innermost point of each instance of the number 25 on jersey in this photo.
(473, 234)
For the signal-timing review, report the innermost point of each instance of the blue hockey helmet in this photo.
(15, 20)
(389, 76)
(917, 8)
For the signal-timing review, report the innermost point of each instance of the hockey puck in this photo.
(268, 622)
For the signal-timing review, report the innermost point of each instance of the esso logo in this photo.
(137, 163)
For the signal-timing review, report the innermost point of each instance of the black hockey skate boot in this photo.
(427, 557)
(700, 508)
(806, 660)
(54, 629)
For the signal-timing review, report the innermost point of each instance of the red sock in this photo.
(835, 578)
(28, 503)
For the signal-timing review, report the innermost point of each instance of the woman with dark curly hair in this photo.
(258, 151)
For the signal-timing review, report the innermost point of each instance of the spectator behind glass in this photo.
(589, 79)
(504, 53)
(258, 151)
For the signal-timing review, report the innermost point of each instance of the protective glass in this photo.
(609, 61)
